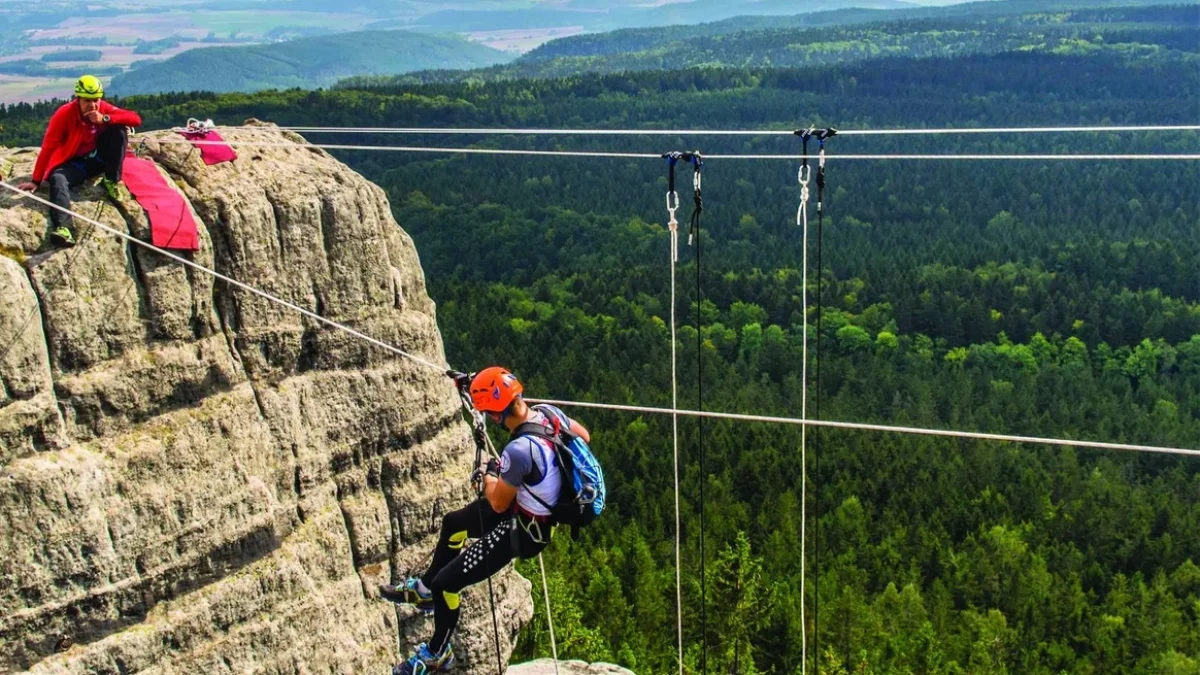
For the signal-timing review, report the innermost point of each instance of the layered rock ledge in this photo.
(195, 480)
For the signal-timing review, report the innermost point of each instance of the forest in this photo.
(1056, 299)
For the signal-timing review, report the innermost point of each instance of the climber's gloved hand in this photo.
(462, 381)
(493, 467)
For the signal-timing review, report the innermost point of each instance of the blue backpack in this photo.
(581, 497)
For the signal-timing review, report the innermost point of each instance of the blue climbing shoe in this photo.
(408, 593)
(425, 662)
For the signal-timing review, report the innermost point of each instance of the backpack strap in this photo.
(537, 430)
(548, 433)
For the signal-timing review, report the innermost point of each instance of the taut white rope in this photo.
(861, 426)
(486, 131)
(673, 227)
(549, 619)
(802, 220)
(637, 155)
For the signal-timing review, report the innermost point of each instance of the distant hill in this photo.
(629, 40)
(1148, 34)
(307, 63)
(609, 16)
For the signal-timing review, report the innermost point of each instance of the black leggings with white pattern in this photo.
(453, 568)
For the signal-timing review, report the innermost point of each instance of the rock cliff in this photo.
(548, 667)
(195, 480)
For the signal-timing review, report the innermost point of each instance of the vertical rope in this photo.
(823, 137)
(802, 220)
(549, 619)
(479, 433)
(698, 198)
(673, 227)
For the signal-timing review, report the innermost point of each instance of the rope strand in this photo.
(802, 221)
(485, 131)
(549, 619)
(864, 426)
(673, 229)
(637, 155)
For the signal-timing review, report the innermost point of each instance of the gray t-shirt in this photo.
(527, 458)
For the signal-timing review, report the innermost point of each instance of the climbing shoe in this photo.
(426, 662)
(408, 593)
(62, 236)
(116, 190)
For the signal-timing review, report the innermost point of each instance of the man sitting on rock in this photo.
(86, 137)
(511, 520)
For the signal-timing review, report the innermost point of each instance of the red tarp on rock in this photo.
(213, 149)
(171, 222)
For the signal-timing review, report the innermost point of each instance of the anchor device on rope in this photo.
(822, 136)
(697, 161)
(803, 176)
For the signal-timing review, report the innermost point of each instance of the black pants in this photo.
(453, 568)
(108, 159)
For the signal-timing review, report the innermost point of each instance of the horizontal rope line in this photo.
(632, 155)
(229, 280)
(730, 132)
(857, 426)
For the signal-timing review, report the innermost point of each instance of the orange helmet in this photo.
(494, 389)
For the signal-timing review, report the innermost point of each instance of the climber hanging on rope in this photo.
(534, 486)
(86, 137)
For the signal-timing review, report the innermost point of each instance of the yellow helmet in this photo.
(89, 87)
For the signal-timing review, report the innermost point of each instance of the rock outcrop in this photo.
(196, 480)
(548, 667)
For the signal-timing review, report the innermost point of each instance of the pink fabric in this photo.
(171, 222)
(210, 151)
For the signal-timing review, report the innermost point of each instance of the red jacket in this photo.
(69, 135)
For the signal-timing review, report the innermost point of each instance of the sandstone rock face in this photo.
(196, 480)
(547, 667)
